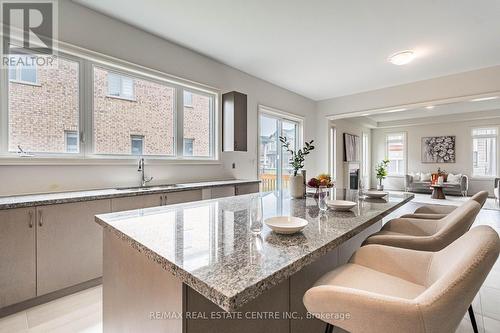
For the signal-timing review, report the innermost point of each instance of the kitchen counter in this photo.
(207, 245)
(31, 200)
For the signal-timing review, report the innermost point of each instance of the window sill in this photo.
(395, 176)
(483, 178)
(26, 83)
(122, 98)
(78, 160)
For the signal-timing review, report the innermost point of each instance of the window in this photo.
(199, 124)
(40, 115)
(132, 110)
(150, 115)
(366, 161)
(188, 99)
(395, 152)
(484, 152)
(137, 144)
(120, 86)
(188, 147)
(23, 74)
(71, 139)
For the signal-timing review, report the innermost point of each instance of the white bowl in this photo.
(375, 194)
(341, 205)
(286, 224)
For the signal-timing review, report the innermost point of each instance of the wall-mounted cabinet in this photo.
(234, 121)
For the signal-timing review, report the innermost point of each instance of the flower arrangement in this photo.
(323, 179)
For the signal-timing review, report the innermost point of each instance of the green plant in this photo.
(381, 170)
(298, 157)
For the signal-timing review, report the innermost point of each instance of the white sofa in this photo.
(421, 181)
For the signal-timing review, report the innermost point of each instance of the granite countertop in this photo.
(208, 245)
(30, 200)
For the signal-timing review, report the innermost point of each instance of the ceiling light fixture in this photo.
(430, 107)
(484, 99)
(402, 58)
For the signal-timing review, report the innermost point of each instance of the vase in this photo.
(297, 187)
(380, 187)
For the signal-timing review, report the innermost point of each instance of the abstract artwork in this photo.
(438, 149)
(351, 148)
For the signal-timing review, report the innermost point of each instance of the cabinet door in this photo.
(222, 192)
(137, 202)
(17, 255)
(247, 188)
(183, 196)
(69, 244)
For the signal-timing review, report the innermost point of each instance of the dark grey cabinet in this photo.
(234, 121)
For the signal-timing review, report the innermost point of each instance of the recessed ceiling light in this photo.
(430, 107)
(395, 110)
(402, 58)
(484, 99)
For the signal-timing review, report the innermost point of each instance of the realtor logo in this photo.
(28, 27)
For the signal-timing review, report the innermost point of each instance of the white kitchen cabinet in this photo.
(17, 255)
(69, 244)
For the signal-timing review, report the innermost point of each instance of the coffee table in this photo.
(437, 192)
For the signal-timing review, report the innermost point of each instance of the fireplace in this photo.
(351, 175)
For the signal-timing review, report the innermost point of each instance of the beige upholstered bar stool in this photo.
(440, 211)
(427, 235)
(393, 290)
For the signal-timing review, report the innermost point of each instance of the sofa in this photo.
(455, 184)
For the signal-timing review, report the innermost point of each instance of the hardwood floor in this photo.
(82, 312)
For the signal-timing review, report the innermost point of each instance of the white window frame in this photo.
(485, 136)
(121, 78)
(87, 60)
(18, 78)
(365, 159)
(280, 116)
(405, 154)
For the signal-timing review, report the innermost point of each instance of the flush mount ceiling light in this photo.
(484, 99)
(402, 58)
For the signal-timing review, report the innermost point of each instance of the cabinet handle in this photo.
(165, 200)
(161, 200)
(40, 218)
(30, 213)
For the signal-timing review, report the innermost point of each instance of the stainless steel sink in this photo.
(150, 187)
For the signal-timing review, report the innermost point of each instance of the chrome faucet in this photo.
(144, 180)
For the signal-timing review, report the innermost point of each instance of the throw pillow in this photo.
(425, 177)
(454, 179)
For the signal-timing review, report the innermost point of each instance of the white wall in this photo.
(452, 86)
(346, 126)
(88, 29)
(462, 131)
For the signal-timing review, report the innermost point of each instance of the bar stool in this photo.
(440, 211)
(427, 234)
(392, 290)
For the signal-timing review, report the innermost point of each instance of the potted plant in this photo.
(297, 158)
(381, 171)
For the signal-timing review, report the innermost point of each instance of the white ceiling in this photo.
(325, 48)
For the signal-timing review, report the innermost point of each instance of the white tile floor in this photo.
(82, 312)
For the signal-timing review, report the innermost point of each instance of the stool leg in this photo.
(473, 319)
(329, 328)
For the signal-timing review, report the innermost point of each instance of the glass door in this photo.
(274, 167)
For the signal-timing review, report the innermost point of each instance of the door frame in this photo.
(279, 115)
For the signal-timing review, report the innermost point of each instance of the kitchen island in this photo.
(196, 267)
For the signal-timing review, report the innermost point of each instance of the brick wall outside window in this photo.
(40, 114)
